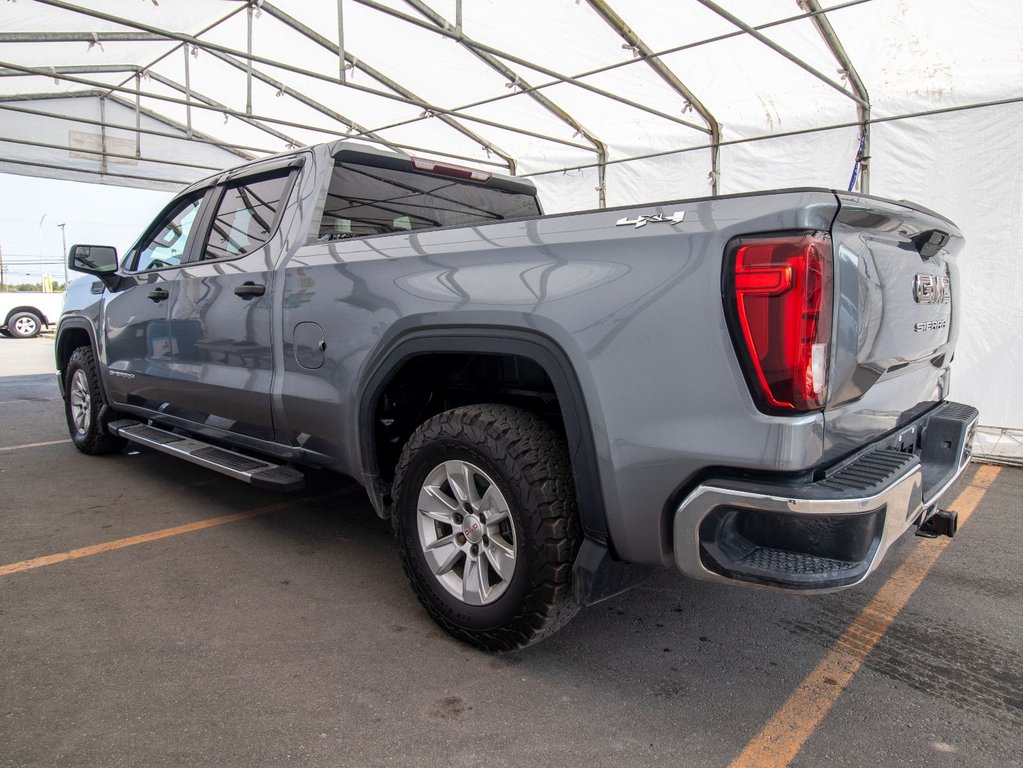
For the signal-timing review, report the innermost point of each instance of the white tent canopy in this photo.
(599, 102)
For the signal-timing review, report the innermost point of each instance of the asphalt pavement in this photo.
(165, 633)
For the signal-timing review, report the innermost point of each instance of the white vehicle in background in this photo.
(24, 314)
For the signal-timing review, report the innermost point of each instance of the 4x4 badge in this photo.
(654, 218)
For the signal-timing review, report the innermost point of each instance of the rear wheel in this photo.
(487, 526)
(24, 325)
(83, 405)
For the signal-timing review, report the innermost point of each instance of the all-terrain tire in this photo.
(527, 460)
(84, 406)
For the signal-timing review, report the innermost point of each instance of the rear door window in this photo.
(367, 200)
(246, 216)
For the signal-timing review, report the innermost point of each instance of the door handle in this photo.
(158, 295)
(249, 290)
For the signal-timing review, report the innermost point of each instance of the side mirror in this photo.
(99, 260)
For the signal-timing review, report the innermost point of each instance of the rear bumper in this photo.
(829, 533)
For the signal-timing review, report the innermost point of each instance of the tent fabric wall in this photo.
(911, 55)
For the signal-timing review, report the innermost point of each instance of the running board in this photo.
(255, 472)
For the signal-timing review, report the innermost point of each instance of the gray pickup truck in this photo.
(751, 388)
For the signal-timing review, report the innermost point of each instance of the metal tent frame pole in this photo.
(172, 84)
(115, 155)
(789, 134)
(105, 88)
(105, 174)
(834, 43)
(632, 61)
(507, 72)
(781, 50)
(633, 40)
(451, 34)
(243, 56)
(242, 150)
(381, 78)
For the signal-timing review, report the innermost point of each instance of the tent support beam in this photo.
(385, 81)
(505, 71)
(820, 20)
(190, 103)
(103, 134)
(78, 69)
(451, 34)
(781, 50)
(115, 155)
(213, 103)
(788, 134)
(113, 174)
(188, 96)
(170, 83)
(81, 37)
(248, 49)
(350, 125)
(341, 55)
(215, 48)
(632, 61)
(632, 39)
(174, 49)
(239, 149)
(138, 114)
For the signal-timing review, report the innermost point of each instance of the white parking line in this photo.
(7, 449)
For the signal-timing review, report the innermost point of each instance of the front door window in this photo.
(166, 248)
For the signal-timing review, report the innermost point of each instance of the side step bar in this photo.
(256, 472)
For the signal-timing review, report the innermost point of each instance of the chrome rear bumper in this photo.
(833, 532)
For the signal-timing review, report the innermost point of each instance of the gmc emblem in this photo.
(930, 289)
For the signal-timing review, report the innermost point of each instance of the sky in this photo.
(96, 214)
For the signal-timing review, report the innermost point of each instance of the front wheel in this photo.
(24, 325)
(487, 527)
(83, 406)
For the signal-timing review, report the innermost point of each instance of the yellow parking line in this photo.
(95, 549)
(7, 448)
(784, 734)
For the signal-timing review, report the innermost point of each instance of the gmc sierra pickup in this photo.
(751, 388)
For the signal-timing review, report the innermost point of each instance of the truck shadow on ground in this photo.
(672, 644)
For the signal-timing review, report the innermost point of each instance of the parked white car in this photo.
(24, 314)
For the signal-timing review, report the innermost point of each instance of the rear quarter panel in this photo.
(637, 310)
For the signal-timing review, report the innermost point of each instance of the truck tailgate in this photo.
(896, 309)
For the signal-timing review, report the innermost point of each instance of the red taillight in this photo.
(780, 296)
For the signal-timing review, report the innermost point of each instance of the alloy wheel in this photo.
(466, 532)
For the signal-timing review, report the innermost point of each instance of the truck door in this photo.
(137, 346)
(220, 316)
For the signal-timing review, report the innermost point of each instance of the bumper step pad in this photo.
(777, 561)
(256, 472)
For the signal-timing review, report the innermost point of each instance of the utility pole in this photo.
(42, 268)
(63, 243)
(3, 286)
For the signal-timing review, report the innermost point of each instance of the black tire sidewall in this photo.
(470, 617)
(80, 439)
(96, 440)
